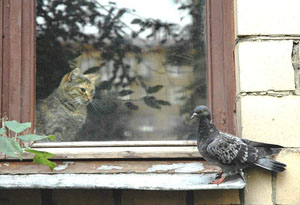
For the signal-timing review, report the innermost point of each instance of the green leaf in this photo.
(52, 138)
(42, 158)
(10, 147)
(2, 131)
(33, 137)
(151, 102)
(16, 126)
(44, 154)
(131, 106)
(162, 102)
(154, 89)
(125, 92)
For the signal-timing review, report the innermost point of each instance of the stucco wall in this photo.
(268, 100)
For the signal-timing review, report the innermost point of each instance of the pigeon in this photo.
(232, 154)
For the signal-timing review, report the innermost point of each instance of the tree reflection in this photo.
(125, 54)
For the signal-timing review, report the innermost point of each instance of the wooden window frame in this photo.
(17, 74)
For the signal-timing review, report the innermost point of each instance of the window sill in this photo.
(144, 165)
(119, 181)
(115, 174)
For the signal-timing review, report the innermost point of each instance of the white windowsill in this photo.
(118, 181)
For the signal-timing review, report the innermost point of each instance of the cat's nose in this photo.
(89, 97)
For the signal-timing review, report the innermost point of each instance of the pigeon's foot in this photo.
(219, 175)
(218, 180)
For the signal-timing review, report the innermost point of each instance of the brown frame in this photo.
(220, 63)
(17, 62)
(17, 70)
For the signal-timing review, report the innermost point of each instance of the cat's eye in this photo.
(82, 90)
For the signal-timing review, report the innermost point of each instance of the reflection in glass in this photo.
(142, 63)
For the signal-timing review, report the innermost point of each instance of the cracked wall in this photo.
(268, 92)
(296, 65)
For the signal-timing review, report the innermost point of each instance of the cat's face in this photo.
(78, 88)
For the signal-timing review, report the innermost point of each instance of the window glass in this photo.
(119, 70)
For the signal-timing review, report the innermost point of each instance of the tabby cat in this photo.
(64, 111)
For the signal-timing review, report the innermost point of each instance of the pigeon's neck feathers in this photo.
(206, 128)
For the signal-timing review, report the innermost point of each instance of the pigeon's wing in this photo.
(254, 143)
(229, 149)
(261, 144)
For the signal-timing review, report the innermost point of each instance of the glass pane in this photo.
(120, 70)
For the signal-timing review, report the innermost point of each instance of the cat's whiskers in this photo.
(95, 106)
(97, 100)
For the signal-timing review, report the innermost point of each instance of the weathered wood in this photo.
(118, 152)
(110, 166)
(33, 64)
(118, 149)
(1, 46)
(15, 21)
(217, 90)
(229, 66)
(116, 144)
(17, 59)
(118, 181)
(220, 63)
(27, 60)
(6, 58)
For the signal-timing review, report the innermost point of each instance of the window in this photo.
(17, 102)
(176, 94)
(18, 62)
(149, 64)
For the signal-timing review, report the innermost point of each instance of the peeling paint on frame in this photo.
(178, 167)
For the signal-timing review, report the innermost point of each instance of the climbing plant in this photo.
(13, 138)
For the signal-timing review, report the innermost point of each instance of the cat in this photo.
(64, 111)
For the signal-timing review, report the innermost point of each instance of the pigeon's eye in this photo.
(82, 90)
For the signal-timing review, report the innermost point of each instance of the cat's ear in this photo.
(70, 76)
(74, 74)
(93, 77)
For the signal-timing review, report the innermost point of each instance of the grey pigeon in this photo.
(232, 154)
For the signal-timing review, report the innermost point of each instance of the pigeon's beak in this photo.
(194, 115)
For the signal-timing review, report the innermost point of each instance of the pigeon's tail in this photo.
(265, 148)
(261, 144)
(270, 164)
